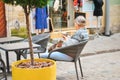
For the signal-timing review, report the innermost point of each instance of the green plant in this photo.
(27, 5)
(19, 32)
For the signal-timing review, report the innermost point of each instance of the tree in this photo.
(27, 5)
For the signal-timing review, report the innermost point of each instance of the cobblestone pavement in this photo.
(96, 67)
(103, 66)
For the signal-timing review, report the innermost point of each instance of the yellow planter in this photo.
(46, 73)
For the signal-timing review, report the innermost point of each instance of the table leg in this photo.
(7, 62)
(18, 54)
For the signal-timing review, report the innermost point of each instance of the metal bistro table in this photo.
(10, 39)
(17, 48)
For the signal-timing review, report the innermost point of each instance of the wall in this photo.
(115, 16)
(3, 32)
(14, 13)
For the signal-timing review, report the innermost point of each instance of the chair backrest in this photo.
(41, 39)
(74, 50)
(80, 47)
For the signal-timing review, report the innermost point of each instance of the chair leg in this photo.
(39, 55)
(3, 68)
(80, 67)
(4, 73)
(76, 70)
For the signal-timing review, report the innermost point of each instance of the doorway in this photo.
(63, 18)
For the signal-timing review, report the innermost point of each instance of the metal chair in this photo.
(74, 51)
(42, 40)
(3, 75)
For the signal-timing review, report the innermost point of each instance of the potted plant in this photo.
(32, 69)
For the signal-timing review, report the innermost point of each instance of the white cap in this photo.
(80, 20)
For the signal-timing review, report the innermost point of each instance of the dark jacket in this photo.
(98, 7)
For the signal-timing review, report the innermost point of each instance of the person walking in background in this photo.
(98, 12)
(98, 8)
(41, 19)
(80, 35)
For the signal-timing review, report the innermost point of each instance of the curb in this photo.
(99, 52)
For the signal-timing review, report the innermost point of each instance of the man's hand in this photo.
(52, 47)
(59, 44)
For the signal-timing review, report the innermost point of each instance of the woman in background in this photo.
(80, 35)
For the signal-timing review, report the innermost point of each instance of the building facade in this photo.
(62, 14)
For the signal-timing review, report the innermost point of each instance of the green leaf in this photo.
(31, 3)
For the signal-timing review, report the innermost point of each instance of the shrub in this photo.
(22, 32)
